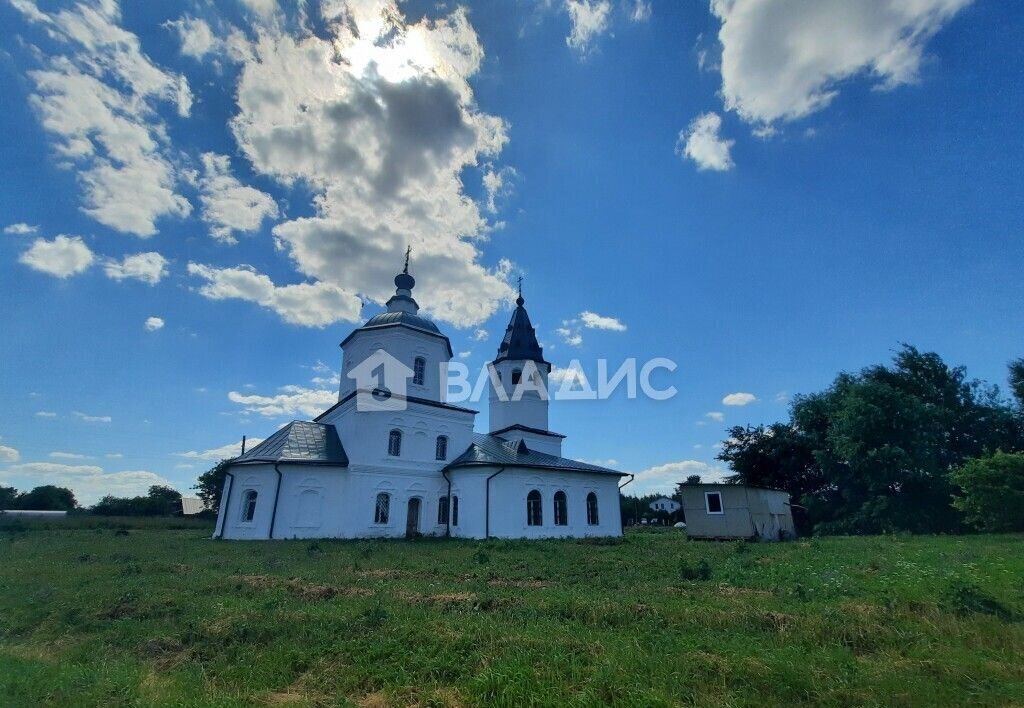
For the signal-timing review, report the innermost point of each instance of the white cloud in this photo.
(91, 418)
(570, 334)
(150, 268)
(152, 324)
(228, 205)
(309, 304)
(197, 39)
(67, 456)
(592, 320)
(114, 455)
(9, 454)
(498, 184)
(480, 335)
(292, 400)
(99, 99)
(465, 355)
(572, 377)
(88, 482)
(62, 257)
(21, 229)
(224, 452)
(378, 119)
(662, 479)
(589, 19)
(738, 399)
(641, 11)
(716, 416)
(783, 60)
(702, 143)
(45, 414)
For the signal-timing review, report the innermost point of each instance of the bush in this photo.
(992, 492)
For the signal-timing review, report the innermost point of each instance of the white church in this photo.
(396, 460)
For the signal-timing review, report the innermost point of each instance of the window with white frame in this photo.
(395, 443)
(249, 505)
(713, 502)
(561, 509)
(382, 509)
(534, 510)
(419, 370)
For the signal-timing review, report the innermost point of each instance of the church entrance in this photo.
(412, 518)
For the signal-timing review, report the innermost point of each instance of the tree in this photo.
(163, 501)
(1017, 380)
(992, 492)
(8, 498)
(160, 501)
(211, 483)
(48, 498)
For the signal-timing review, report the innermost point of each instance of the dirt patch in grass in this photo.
(526, 584)
(300, 588)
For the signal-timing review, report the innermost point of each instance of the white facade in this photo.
(665, 504)
(393, 476)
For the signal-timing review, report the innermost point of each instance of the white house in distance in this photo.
(665, 504)
(397, 460)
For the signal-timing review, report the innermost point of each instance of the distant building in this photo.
(190, 506)
(665, 504)
(737, 511)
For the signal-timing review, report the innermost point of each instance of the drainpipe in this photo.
(226, 504)
(487, 505)
(277, 494)
(448, 516)
(631, 478)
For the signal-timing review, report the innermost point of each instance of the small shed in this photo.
(737, 511)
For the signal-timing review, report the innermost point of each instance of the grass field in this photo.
(93, 613)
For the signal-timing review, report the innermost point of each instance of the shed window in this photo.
(441, 448)
(592, 518)
(382, 509)
(561, 509)
(249, 505)
(713, 502)
(534, 512)
(419, 370)
(395, 443)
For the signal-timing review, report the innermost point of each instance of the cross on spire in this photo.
(408, 250)
(520, 286)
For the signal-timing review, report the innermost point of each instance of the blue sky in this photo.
(201, 200)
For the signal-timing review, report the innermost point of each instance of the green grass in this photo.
(157, 614)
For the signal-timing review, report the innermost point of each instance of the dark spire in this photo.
(404, 281)
(520, 340)
(408, 252)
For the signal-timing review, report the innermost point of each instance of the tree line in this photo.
(158, 501)
(912, 446)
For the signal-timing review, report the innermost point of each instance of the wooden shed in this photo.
(737, 511)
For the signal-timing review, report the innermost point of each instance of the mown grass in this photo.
(139, 614)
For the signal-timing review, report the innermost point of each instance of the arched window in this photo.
(395, 443)
(383, 508)
(249, 505)
(441, 448)
(592, 519)
(442, 510)
(455, 511)
(534, 512)
(561, 509)
(419, 370)
(517, 376)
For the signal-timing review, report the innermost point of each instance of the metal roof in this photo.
(520, 340)
(400, 319)
(495, 450)
(299, 441)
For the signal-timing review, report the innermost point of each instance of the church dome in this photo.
(403, 318)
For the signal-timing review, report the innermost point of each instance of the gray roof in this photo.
(495, 450)
(520, 340)
(299, 441)
(400, 319)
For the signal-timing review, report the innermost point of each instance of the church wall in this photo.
(548, 444)
(405, 345)
(258, 478)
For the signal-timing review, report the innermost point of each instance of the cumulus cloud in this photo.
(480, 335)
(379, 121)
(88, 482)
(738, 399)
(224, 452)
(99, 100)
(592, 320)
(783, 60)
(9, 454)
(150, 268)
(67, 456)
(498, 184)
(702, 143)
(21, 229)
(571, 377)
(291, 400)
(62, 257)
(196, 37)
(588, 19)
(152, 324)
(228, 205)
(662, 479)
(571, 330)
(309, 304)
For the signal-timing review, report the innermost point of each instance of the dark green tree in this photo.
(8, 498)
(48, 498)
(992, 492)
(1017, 380)
(211, 483)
